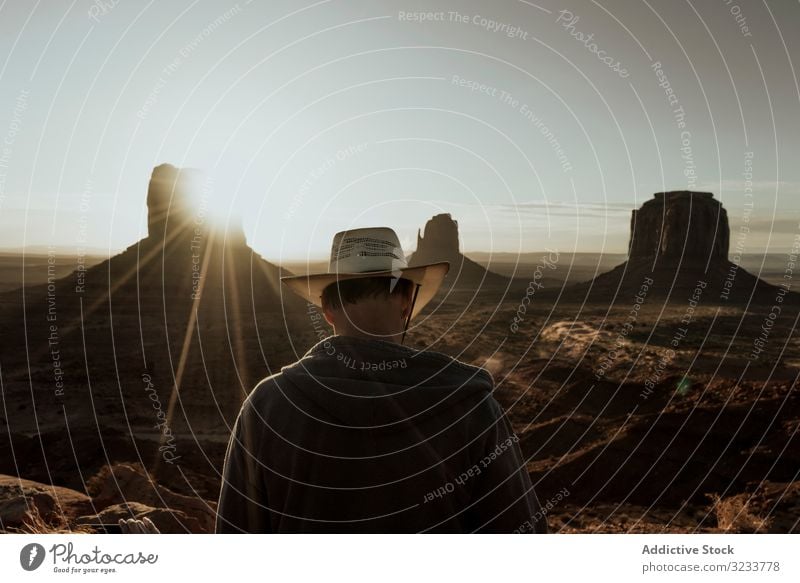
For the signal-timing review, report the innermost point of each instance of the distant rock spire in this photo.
(439, 241)
(170, 199)
(177, 207)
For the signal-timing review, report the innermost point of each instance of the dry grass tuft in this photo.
(735, 516)
(56, 523)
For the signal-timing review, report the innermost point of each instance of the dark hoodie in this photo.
(370, 436)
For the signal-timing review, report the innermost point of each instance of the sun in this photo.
(213, 204)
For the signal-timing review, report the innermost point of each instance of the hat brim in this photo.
(429, 277)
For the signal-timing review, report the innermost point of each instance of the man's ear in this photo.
(407, 299)
(328, 313)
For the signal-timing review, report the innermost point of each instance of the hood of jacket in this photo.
(365, 383)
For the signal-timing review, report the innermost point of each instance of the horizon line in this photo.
(100, 253)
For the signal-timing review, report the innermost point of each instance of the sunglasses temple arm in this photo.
(411, 311)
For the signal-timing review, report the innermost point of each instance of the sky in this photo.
(534, 124)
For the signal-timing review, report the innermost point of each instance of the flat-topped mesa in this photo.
(680, 226)
(679, 245)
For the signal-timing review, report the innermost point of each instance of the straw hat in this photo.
(369, 252)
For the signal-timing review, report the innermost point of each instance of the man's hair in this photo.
(350, 291)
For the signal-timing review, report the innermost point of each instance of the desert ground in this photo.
(647, 421)
(651, 392)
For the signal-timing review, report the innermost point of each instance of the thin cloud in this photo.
(768, 225)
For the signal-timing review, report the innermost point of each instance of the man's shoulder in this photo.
(267, 390)
(477, 374)
(421, 370)
(426, 362)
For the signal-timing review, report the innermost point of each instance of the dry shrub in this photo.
(735, 516)
(95, 484)
(56, 523)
